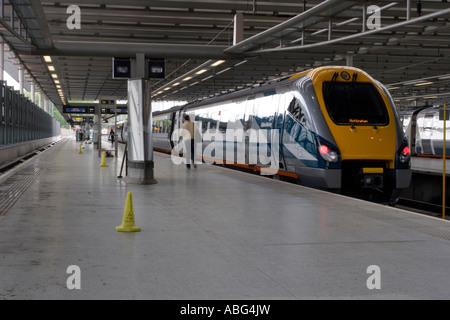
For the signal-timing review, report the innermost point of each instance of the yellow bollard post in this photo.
(103, 164)
(79, 149)
(128, 224)
(444, 158)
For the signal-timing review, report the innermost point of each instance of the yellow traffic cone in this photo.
(79, 149)
(128, 224)
(103, 164)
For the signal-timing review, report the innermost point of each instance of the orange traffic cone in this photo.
(128, 224)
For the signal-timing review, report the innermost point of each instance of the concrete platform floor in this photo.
(209, 233)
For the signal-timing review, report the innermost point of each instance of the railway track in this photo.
(421, 207)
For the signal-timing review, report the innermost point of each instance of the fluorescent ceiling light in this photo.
(176, 84)
(423, 83)
(47, 59)
(218, 62)
(242, 62)
(393, 88)
(51, 68)
(407, 83)
(224, 70)
(207, 78)
(54, 76)
(187, 78)
(201, 71)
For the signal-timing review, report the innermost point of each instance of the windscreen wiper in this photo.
(330, 87)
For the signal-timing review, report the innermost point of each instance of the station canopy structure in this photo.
(214, 47)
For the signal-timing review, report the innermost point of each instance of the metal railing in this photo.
(21, 120)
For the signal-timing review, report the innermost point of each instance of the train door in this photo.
(267, 136)
(249, 148)
(177, 122)
(426, 134)
(280, 115)
(172, 128)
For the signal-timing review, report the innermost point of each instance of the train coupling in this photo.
(372, 178)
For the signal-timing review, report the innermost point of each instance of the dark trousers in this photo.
(189, 147)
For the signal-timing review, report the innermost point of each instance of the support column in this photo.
(33, 93)
(40, 100)
(21, 79)
(2, 60)
(349, 60)
(140, 142)
(238, 34)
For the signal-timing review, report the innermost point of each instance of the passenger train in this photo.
(333, 128)
(424, 127)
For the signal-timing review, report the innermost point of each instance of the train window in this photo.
(356, 103)
(224, 118)
(297, 111)
(204, 118)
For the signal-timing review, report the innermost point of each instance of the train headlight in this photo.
(405, 155)
(328, 154)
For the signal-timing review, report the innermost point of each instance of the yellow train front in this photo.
(359, 138)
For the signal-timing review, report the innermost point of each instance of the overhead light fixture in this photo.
(242, 62)
(218, 62)
(224, 70)
(393, 88)
(207, 78)
(407, 83)
(431, 97)
(54, 76)
(56, 81)
(201, 71)
(176, 84)
(423, 83)
(48, 59)
(51, 68)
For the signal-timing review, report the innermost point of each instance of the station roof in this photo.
(408, 49)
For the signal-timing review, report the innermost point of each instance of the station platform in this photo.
(207, 233)
(433, 166)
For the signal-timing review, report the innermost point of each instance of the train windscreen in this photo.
(354, 103)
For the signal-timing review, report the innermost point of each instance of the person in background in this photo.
(112, 136)
(188, 138)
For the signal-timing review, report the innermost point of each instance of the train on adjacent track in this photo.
(424, 127)
(334, 128)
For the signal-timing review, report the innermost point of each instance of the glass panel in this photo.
(356, 103)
